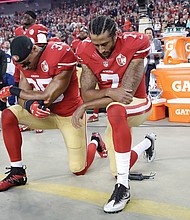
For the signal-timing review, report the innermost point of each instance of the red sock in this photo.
(120, 130)
(11, 135)
(91, 151)
(96, 111)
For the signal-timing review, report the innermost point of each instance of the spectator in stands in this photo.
(69, 15)
(157, 26)
(188, 22)
(180, 23)
(9, 76)
(155, 54)
(83, 34)
(127, 25)
(188, 32)
(3, 67)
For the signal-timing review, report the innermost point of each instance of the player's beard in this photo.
(27, 22)
(82, 38)
(107, 53)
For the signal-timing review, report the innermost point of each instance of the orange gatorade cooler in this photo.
(173, 80)
(179, 109)
(158, 110)
(176, 46)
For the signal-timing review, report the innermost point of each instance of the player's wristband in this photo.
(16, 84)
(28, 103)
(15, 91)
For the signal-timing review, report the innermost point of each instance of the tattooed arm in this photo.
(88, 84)
(123, 94)
(92, 98)
(133, 75)
(130, 82)
(101, 98)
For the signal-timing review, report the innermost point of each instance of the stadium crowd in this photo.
(66, 20)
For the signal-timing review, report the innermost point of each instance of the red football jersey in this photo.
(109, 71)
(56, 57)
(74, 43)
(37, 32)
(54, 39)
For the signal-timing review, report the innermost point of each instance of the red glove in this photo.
(38, 110)
(5, 92)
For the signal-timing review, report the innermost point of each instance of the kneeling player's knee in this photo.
(116, 114)
(76, 167)
(116, 110)
(8, 117)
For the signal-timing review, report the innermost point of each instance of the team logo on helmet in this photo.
(16, 57)
(121, 60)
(44, 66)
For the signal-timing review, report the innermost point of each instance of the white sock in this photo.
(123, 164)
(17, 164)
(142, 146)
(94, 142)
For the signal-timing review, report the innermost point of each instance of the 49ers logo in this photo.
(44, 66)
(121, 60)
(31, 32)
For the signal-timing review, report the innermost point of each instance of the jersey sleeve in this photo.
(144, 46)
(63, 59)
(136, 43)
(41, 33)
(19, 31)
(82, 52)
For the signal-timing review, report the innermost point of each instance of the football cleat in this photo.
(150, 153)
(93, 118)
(118, 200)
(24, 128)
(39, 131)
(16, 177)
(101, 149)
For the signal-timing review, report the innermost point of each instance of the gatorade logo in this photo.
(187, 47)
(182, 111)
(170, 45)
(181, 86)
